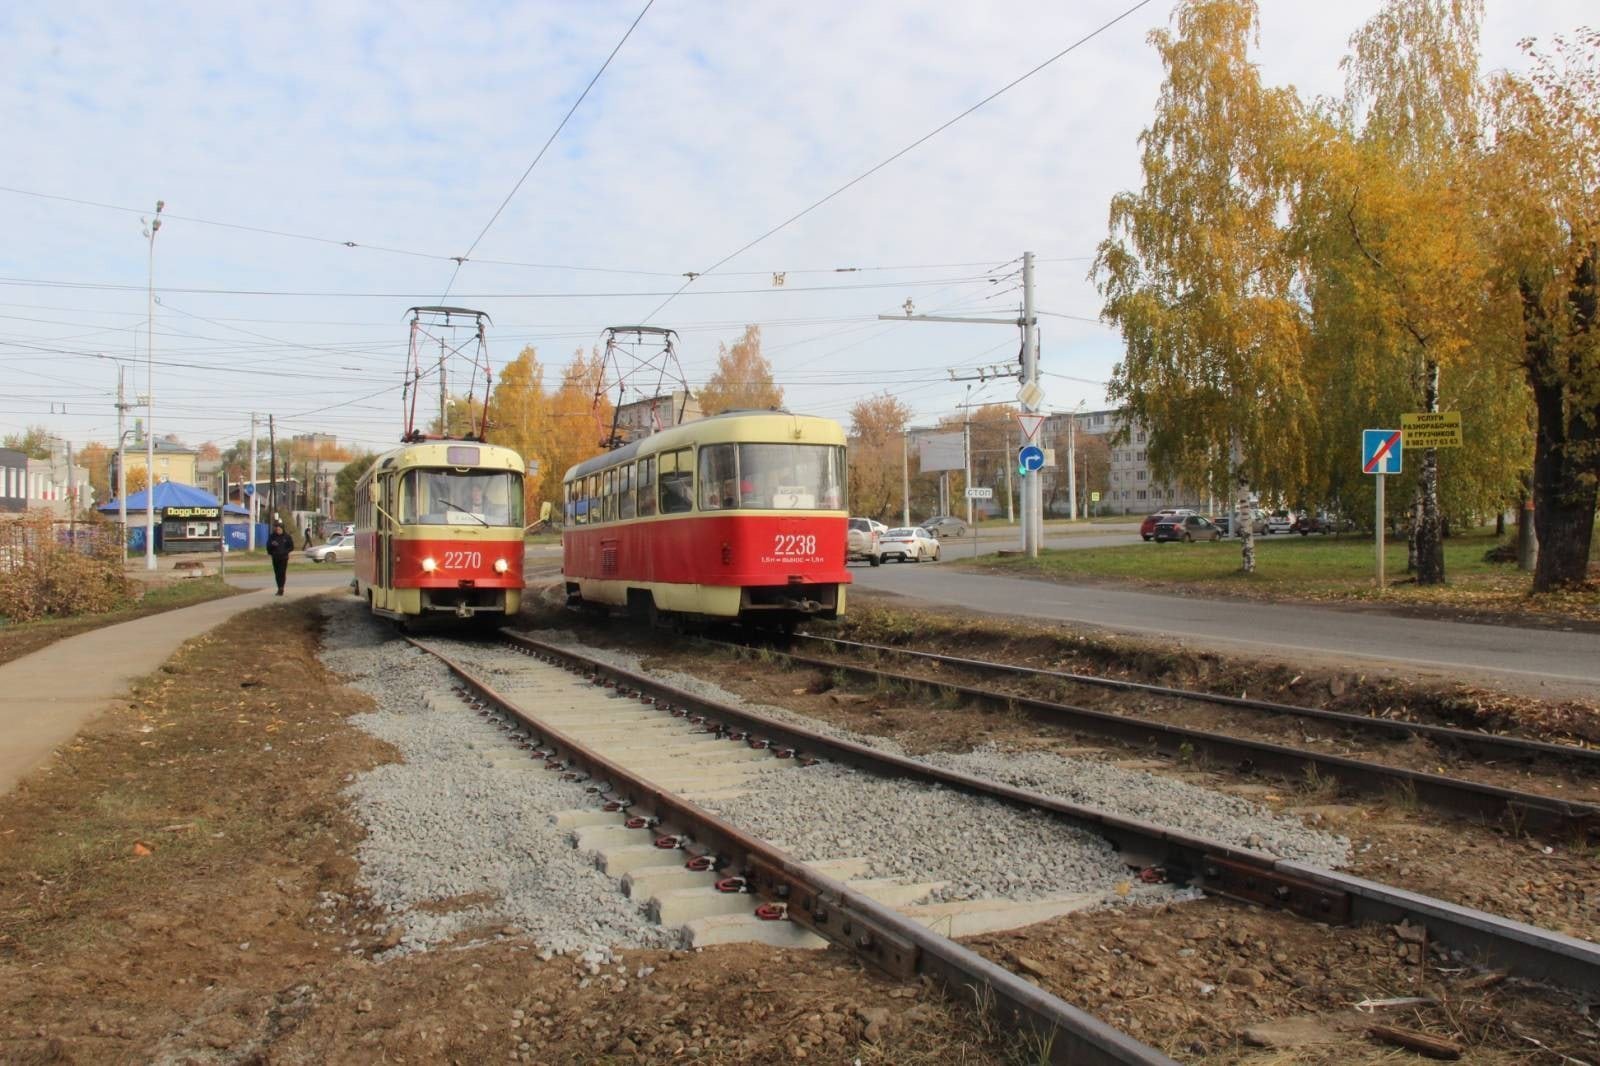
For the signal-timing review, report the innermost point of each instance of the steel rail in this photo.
(1212, 866)
(1480, 743)
(828, 907)
(1526, 810)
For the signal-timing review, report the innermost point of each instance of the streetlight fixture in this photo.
(151, 228)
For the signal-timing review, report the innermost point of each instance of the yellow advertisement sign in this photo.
(1440, 429)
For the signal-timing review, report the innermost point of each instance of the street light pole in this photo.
(151, 229)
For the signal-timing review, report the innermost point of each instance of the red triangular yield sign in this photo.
(1030, 425)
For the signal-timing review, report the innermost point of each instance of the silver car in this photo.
(945, 526)
(340, 549)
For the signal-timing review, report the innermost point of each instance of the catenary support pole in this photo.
(905, 477)
(251, 504)
(272, 470)
(150, 399)
(122, 464)
(1032, 497)
(1072, 465)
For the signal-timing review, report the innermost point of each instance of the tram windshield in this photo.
(461, 498)
(786, 477)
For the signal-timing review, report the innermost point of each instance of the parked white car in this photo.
(908, 544)
(340, 549)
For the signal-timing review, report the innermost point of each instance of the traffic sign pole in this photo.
(1379, 533)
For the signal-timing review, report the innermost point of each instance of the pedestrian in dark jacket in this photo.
(279, 545)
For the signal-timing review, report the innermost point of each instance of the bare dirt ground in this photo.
(178, 887)
(1203, 981)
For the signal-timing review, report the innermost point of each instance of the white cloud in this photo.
(405, 125)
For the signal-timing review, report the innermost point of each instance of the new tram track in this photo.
(1536, 812)
(872, 931)
(1475, 742)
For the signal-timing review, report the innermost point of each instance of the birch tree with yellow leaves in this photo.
(1195, 273)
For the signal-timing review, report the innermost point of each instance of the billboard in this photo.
(941, 451)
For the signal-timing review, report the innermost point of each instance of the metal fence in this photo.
(29, 539)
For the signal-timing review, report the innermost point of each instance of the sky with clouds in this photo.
(402, 126)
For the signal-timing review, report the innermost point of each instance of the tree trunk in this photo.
(1430, 538)
(1566, 450)
(1244, 521)
(1413, 527)
(1500, 523)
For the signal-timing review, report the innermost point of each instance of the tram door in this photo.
(385, 545)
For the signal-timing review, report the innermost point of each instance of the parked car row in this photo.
(877, 544)
(1261, 523)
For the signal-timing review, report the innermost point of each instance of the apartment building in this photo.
(1130, 485)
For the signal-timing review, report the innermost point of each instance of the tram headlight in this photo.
(501, 566)
(429, 565)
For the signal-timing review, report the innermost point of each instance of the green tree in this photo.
(1195, 271)
(742, 379)
(344, 484)
(34, 441)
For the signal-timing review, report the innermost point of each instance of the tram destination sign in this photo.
(1436, 429)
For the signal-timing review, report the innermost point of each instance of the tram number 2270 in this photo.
(463, 560)
(794, 544)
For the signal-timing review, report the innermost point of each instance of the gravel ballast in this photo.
(458, 834)
(1092, 783)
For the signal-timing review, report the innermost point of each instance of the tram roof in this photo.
(753, 427)
(437, 453)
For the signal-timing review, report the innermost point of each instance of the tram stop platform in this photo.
(47, 696)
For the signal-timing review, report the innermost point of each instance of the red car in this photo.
(1147, 528)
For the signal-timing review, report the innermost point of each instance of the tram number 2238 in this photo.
(794, 544)
(463, 560)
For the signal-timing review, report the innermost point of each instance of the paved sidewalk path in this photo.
(1543, 662)
(46, 697)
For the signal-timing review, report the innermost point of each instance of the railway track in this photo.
(833, 909)
(1525, 811)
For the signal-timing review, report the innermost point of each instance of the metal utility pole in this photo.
(272, 468)
(444, 396)
(1072, 464)
(905, 477)
(251, 533)
(1011, 504)
(151, 229)
(1030, 395)
(122, 465)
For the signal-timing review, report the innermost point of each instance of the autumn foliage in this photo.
(42, 574)
(742, 379)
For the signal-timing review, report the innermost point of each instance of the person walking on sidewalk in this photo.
(279, 545)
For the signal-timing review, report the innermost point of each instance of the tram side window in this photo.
(625, 501)
(719, 477)
(608, 482)
(577, 509)
(677, 481)
(647, 487)
(591, 493)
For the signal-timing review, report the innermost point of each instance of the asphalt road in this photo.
(1551, 663)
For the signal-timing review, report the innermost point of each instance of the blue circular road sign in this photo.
(1030, 457)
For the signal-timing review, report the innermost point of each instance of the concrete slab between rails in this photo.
(972, 917)
(586, 816)
(686, 905)
(748, 929)
(47, 696)
(647, 882)
(603, 838)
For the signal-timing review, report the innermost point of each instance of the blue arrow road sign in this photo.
(1030, 457)
(1380, 451)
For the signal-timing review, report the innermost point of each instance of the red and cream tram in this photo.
(439, 531)
(741, 515)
